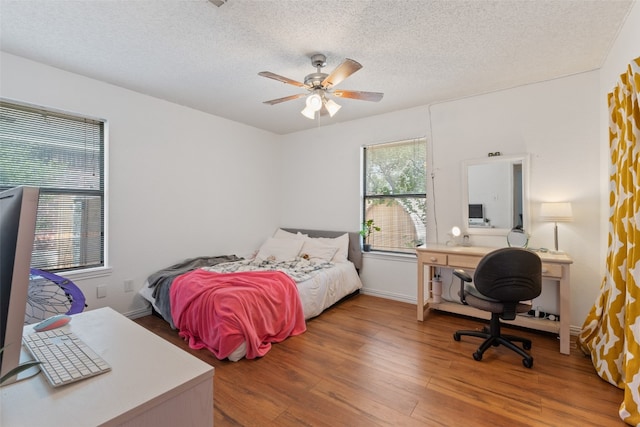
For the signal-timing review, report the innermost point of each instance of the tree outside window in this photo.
(395, 193)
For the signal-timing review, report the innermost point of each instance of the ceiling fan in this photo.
(320, 84)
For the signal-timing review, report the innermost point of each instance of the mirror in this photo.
(495, 197)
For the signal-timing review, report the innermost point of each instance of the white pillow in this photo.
(340, 242)
(279, 249)
(283, 234)
(317, 251)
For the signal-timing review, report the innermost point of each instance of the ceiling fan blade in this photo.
(342, 71)
(280, 78)
(354, 94)
(286, 98)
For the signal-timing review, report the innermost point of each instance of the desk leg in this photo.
(422, 290)
(420, 301)
(565, 311)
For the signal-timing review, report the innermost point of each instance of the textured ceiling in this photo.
(417, 52)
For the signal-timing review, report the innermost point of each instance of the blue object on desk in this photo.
(52, 322)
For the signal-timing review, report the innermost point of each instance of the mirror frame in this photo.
(514, 159)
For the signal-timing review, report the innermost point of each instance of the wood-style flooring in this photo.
(368, 362)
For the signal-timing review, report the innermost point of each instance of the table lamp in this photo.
(556, 212)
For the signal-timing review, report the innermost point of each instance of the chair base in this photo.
(493, 337)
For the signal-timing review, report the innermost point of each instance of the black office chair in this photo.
(503, 279)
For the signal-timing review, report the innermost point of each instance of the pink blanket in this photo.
(219, 311)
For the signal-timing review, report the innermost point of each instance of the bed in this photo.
(238, 307)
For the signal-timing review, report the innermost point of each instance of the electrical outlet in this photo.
(101, 291)
(128, 285)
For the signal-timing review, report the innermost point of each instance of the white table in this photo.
(555, 267)
(151, 383)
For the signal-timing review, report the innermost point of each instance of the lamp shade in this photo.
(314, 102)
(332, 107)
(309, 113)
(556, 212)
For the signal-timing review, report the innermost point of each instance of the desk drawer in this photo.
(464, 261)
(434, 258)
(551, 270)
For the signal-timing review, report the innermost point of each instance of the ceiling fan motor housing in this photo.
(318, 60)
(315, 79)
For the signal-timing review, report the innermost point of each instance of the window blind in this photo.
(394, 193)
(63, 155)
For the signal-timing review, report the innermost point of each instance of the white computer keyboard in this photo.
(65, 358)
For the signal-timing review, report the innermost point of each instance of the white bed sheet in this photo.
(317, 294)
(326, 288)
(147, 293)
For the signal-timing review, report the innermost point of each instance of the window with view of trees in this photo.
(63, 155)
(394, 195)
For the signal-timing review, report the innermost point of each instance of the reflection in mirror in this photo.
(495, 196)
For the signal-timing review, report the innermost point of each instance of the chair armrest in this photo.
(464, 277)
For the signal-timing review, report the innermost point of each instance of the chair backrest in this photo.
(509, 274)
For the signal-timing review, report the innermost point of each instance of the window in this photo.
(394, 194)
(64, 156)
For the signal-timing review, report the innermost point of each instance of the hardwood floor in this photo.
(368, 362)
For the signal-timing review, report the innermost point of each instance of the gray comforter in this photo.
(161, 280)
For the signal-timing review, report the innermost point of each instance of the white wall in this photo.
(321, 187)
(181, 183)
(321, 167)
(556, 122)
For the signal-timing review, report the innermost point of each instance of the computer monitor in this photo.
(476, 213)
(18, 209)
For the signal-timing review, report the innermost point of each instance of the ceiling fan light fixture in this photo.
(332, 107)
(309, 113)
(314, 102)
(320, 84)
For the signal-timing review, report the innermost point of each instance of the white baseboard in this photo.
(388, 295)
(141, 312)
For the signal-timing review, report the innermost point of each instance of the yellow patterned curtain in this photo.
(611, 332)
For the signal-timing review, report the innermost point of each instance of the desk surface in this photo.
(482, 250)
(146, 372)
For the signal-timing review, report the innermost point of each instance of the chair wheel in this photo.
(526, 345)
(528, 363)
(477, 356)
(456, 336)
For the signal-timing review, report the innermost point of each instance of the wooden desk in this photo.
(554, 267)
(151, 383)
